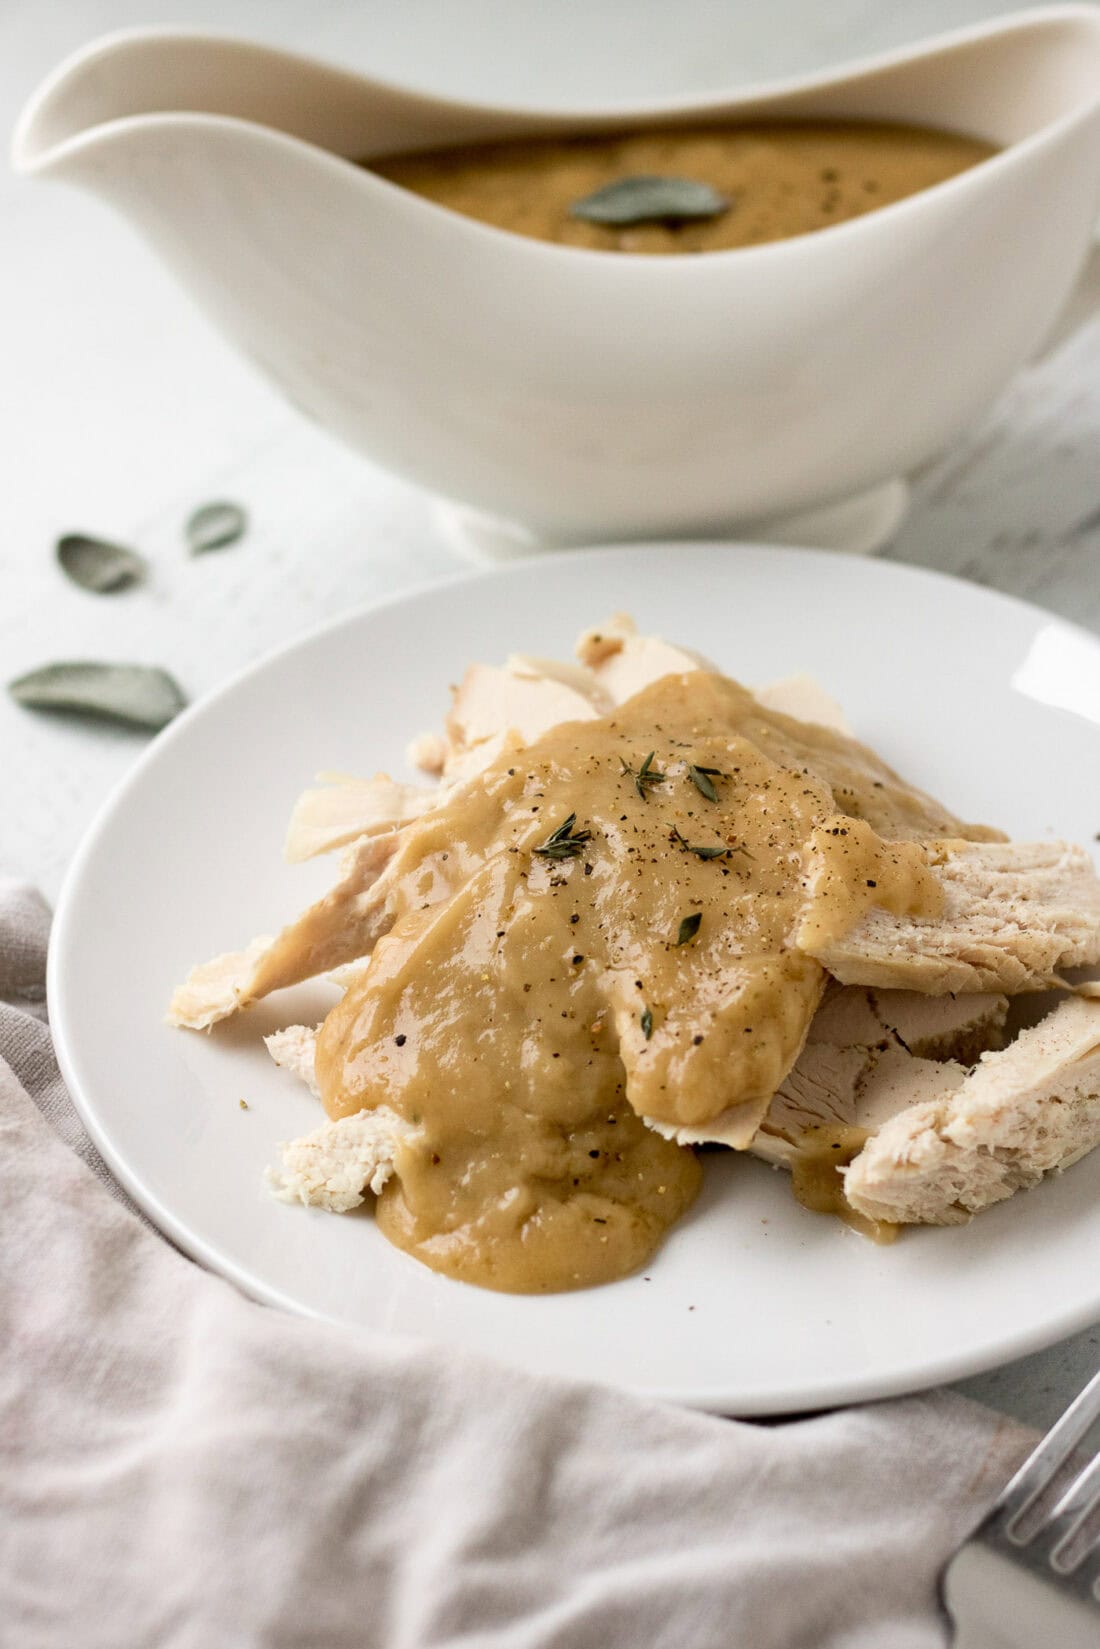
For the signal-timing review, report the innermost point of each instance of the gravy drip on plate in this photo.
(780, 179)
(598, 928)
(818, 1183)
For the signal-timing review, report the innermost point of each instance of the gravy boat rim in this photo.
(610, 117)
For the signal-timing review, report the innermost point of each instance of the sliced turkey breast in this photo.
(857, 1088)
(343, 809)
(494, 699)
(1015, 914)
(1027, 1111)
(342, 926)
(806, 700)
(931, 1027)
(639, 662)
(859, 1068)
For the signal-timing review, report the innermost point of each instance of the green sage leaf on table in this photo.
(650, 200)
(98, 565)
(214, 526)
(138, 695)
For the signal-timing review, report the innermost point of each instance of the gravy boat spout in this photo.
(589, 394)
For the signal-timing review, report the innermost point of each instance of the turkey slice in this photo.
(342, 926)
(623, 662)
(523, 699)
(858, 1067)
(931, 1027)
(806, 700)
(338, 812)
(1014, 915)
(860, 1088)
(1030, 1110)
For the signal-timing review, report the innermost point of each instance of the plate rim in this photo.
(798, 1395)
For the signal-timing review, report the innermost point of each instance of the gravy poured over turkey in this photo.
(608, 937)
(598, 930)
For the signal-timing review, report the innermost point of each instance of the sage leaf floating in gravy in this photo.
(214, 526)
(98, 565)
(137, 695)
(650, 200)
(764, 181)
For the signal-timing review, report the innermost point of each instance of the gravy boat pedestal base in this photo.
(857, 525)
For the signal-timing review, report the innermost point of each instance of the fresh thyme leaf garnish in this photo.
(564, 842)
(703, 780)
(647, 1024)
(717, 852)
(646, 775)
(689, 927)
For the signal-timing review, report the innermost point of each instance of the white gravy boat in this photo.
(586, 394)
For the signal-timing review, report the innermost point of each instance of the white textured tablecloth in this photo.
(183, 1469)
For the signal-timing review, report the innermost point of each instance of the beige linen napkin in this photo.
(183, 1469)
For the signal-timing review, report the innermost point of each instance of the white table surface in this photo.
(121, 409)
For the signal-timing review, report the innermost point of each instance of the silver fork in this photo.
(1007, 1589)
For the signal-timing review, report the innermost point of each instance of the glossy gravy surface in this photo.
(598, 928)
(780, 179)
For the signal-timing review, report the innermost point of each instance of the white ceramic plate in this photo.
(753, 1305)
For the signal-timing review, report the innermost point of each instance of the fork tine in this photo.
(1090, 1569)
(1073, 1508)
(1040, 1466)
